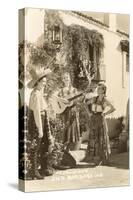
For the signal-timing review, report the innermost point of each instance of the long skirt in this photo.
(71, 121)
(98, 142)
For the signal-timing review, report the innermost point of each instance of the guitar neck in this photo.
(76, 96)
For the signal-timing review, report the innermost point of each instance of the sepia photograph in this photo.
(73, 99)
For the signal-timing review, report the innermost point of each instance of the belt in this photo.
(97, 113)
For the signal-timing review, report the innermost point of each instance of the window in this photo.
(127, 62)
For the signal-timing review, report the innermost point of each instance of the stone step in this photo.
(78, 155)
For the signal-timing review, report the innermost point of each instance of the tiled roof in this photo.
(98, 22)
(90, 18)
(122, 32)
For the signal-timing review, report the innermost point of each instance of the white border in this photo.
(8, 97)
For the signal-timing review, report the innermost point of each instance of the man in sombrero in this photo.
(38, 125)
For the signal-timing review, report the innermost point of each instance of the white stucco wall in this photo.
(34, 24)
(113, 61)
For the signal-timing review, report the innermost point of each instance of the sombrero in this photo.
(37, 74)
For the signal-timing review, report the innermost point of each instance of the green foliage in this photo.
(115, 126)
(76, 43)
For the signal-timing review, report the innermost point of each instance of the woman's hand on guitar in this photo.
(65, 101)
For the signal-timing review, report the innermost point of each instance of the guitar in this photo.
(61, 104)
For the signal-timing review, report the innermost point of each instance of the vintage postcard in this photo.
(73, 99)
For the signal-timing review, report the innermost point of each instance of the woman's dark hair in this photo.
(103, 87)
